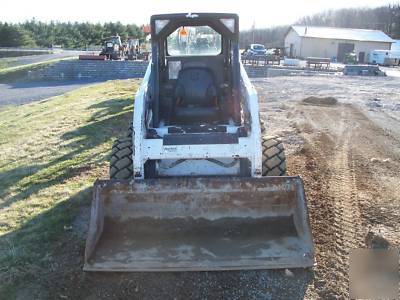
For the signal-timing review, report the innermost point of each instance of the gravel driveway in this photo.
(25, 92)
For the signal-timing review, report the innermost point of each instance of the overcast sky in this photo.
(263, 13)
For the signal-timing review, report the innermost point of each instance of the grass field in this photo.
(6, 62)
(11, 73)
(21, 52)
(51, 152)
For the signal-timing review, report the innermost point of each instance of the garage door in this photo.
(343, 49)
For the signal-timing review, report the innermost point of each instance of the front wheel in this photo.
(121, 163)
(273, 157)
(130, 131)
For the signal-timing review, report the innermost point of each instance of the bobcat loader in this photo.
(195, 185)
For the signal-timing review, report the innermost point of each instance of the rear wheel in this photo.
(273, 157)
(121, 163)
(262, 127)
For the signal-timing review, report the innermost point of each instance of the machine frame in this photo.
(243, 157)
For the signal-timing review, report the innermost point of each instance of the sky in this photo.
(262, 13)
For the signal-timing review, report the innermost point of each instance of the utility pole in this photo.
(253, 29)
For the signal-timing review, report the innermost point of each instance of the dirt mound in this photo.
(320, 100)
(376, 241)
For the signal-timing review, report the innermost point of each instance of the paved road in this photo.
(31, 59)
(25, 92)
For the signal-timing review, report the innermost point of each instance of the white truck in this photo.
(385, 57)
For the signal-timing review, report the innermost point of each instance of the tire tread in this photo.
(121, 161)
(273, 157)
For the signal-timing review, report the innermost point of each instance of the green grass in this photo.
(22, 52)
(51, 152)
(6, 62)
(10, 74)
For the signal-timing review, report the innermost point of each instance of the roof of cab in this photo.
(194, 15)
(218, 21)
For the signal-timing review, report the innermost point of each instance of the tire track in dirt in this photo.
(332, 147)
(334, 205)
(310, 164)
(348, 229)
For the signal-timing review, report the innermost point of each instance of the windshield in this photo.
(194, 40)
(258, 47)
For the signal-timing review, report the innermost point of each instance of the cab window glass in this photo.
(194, 40)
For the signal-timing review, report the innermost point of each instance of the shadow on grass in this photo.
(30, 256)
(24, 252)
(104, 125)
(110, 107)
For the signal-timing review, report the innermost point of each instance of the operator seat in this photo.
(196, 96)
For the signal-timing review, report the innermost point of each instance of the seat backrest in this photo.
(196, 86)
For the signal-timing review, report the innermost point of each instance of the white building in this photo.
(396, 45)
(334, 43)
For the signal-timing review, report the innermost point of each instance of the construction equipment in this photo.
(195, 185)
(112, 48)
(132, 49)
(350, 58)
(145, 49)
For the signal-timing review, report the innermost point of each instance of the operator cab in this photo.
(195, 71)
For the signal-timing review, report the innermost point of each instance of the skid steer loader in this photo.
(195, 186)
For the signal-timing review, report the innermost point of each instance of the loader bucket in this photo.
(199, 224)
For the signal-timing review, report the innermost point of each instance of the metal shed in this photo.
(334, 43)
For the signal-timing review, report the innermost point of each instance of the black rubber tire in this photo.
(121, 163)
(130, 131)
(273, 157)
(262, 126)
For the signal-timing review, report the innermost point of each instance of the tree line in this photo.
(385, 18)
(69, 35)
(79, 35)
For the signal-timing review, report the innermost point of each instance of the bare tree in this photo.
(385, 18)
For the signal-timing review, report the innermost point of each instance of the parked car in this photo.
(255, 50)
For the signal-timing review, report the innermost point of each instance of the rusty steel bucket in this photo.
(199, 224)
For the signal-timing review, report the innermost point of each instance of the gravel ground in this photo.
(25, 92)
(348, 154)
(378, 97)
